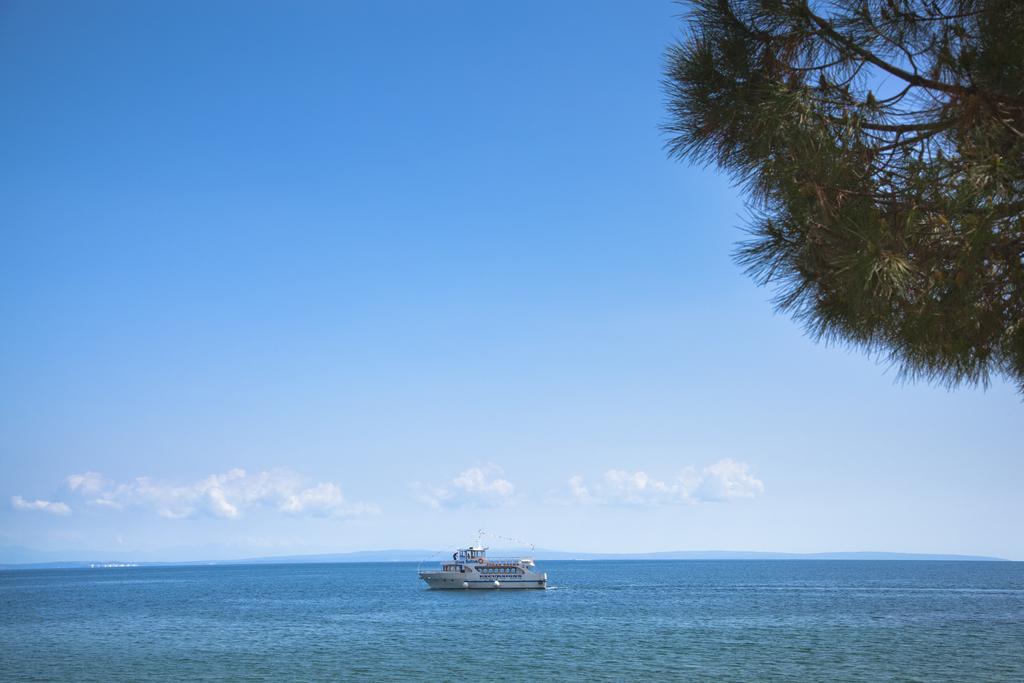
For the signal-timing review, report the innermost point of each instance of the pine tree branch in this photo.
(906, 76)
(934, 127)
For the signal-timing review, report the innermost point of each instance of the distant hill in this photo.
(14, 557)
(749, 555)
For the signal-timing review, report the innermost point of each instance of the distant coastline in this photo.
(12, 557)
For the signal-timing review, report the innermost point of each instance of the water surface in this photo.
(614, 620)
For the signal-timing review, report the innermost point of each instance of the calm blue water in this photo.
(725, 620)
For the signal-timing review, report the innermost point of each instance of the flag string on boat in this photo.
(518, 541)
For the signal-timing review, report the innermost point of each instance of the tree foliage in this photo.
(881, 145)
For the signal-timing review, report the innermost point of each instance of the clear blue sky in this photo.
(323, 276)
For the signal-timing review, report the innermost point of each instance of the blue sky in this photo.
(309, 277)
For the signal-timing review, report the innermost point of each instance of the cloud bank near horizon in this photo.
(724, 480)
(226, 495)
(229, 495)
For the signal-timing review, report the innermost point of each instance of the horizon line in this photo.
(99, 558)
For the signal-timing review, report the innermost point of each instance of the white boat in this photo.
(471, 568)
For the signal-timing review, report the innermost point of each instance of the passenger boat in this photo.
(471, 568)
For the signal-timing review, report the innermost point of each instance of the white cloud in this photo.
(227, 495)
(324, 499)
(431, 496)
(87, 482)
(475, 481)
(728, 480)
(481, 486)
(579, 490)
(52, 507)
(722, 481)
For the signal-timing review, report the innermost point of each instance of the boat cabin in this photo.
(473, 554)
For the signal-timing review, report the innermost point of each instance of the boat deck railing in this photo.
(507, 560)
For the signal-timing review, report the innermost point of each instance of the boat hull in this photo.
(460, 581)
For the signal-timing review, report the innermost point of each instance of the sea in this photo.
(723, 620)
